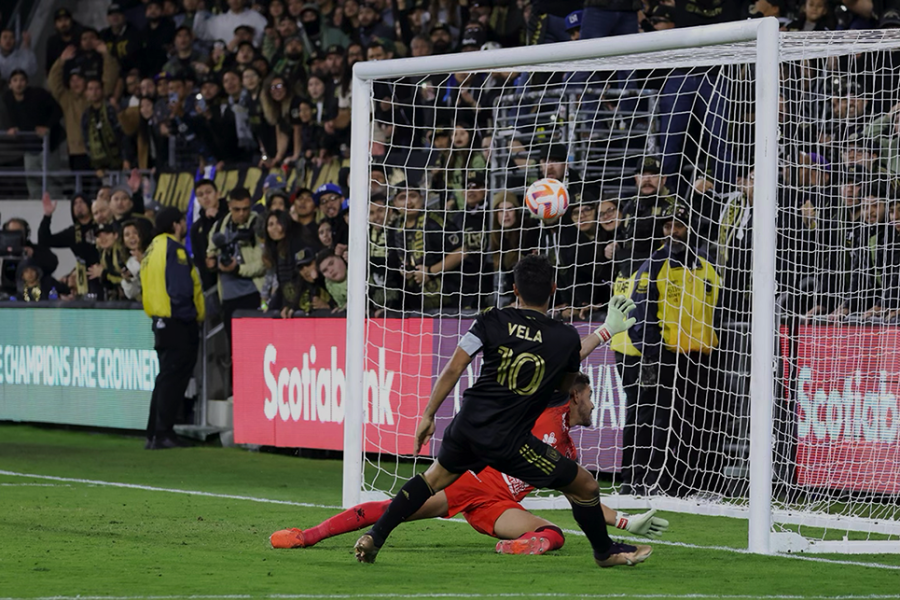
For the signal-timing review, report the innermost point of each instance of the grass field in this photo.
(101, 517)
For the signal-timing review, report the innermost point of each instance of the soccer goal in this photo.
(763, 380)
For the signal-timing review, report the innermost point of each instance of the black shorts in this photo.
(531, 460)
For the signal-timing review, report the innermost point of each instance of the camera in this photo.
(227, 244)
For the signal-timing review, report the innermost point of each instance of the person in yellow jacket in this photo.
(676, 294)
(173, 299)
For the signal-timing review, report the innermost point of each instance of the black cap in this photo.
(114, 8)
(855, 174)
(475, 180)
(662, 13)
(61, 13)
(166, 218)
(651, 165)
(556, 153)
(443, 26)
(335, 49)
(304, 257)
(156, 2)
(677, 211)
(108, 228)
(317, 55)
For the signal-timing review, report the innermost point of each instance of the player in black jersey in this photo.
(527, 357)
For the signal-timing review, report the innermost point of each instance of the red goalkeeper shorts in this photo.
(479, 504)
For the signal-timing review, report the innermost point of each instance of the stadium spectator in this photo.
(108, 271)
(16, 59)
(100, 209)
(865, 291)
(79, 237)
(102, 133)
(66, 33)
(675, 332)
(424, 254)
(158, 37)
(334, 269)
(280, 249)
(33, 110)
(303, 212)
(88, 59)
(235, 253)
(222, 27)
(330, 199)
(511, 237)
(816, 15)
(174, 301)
(185, 57)
(473, 221)
(73, 101)
(573, 24)
(33, 285)
(312, 292)
(585, 269)
(734, 248)
(319, 34)
(123, 41)
(42, 256)
(192, 16)
(212, 208)
(136, 238)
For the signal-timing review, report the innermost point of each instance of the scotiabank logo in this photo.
(316, 394)
(848, 413)
(290, 384)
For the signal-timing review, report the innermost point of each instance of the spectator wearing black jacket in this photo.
(212, 208)
(33, 110)
(157, 39)
(67, 33)
(280, 248)
(78, 237)
(123, 41)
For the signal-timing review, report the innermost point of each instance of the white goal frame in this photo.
(765, 34)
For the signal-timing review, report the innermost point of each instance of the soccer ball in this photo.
(547, 198)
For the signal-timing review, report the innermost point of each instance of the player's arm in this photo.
(617, 321)
(445, 383)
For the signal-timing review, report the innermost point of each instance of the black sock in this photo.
(591, 521)
(412, 496)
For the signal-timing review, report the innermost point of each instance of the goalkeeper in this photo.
(490, 500)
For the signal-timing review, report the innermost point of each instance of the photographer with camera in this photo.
(237, 255)
(16, 246)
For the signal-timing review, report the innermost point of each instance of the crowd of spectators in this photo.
(193, 84)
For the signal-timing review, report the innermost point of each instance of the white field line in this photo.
(576, 532)
(450, 595)
(34, 485)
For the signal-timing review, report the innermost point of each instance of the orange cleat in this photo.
(530, 545)
(288, 538)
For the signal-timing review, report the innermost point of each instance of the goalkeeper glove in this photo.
(617, 320)
(646, 524)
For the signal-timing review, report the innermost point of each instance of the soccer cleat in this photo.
(530, 545)
(620, 555)
(365, 549)
(288, 538)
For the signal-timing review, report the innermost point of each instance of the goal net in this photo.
(690, 188)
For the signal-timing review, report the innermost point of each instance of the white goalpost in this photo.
(788, 417)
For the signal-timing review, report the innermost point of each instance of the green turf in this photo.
(79, 539)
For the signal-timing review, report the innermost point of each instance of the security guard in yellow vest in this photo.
(173, 299)
(676, 295)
